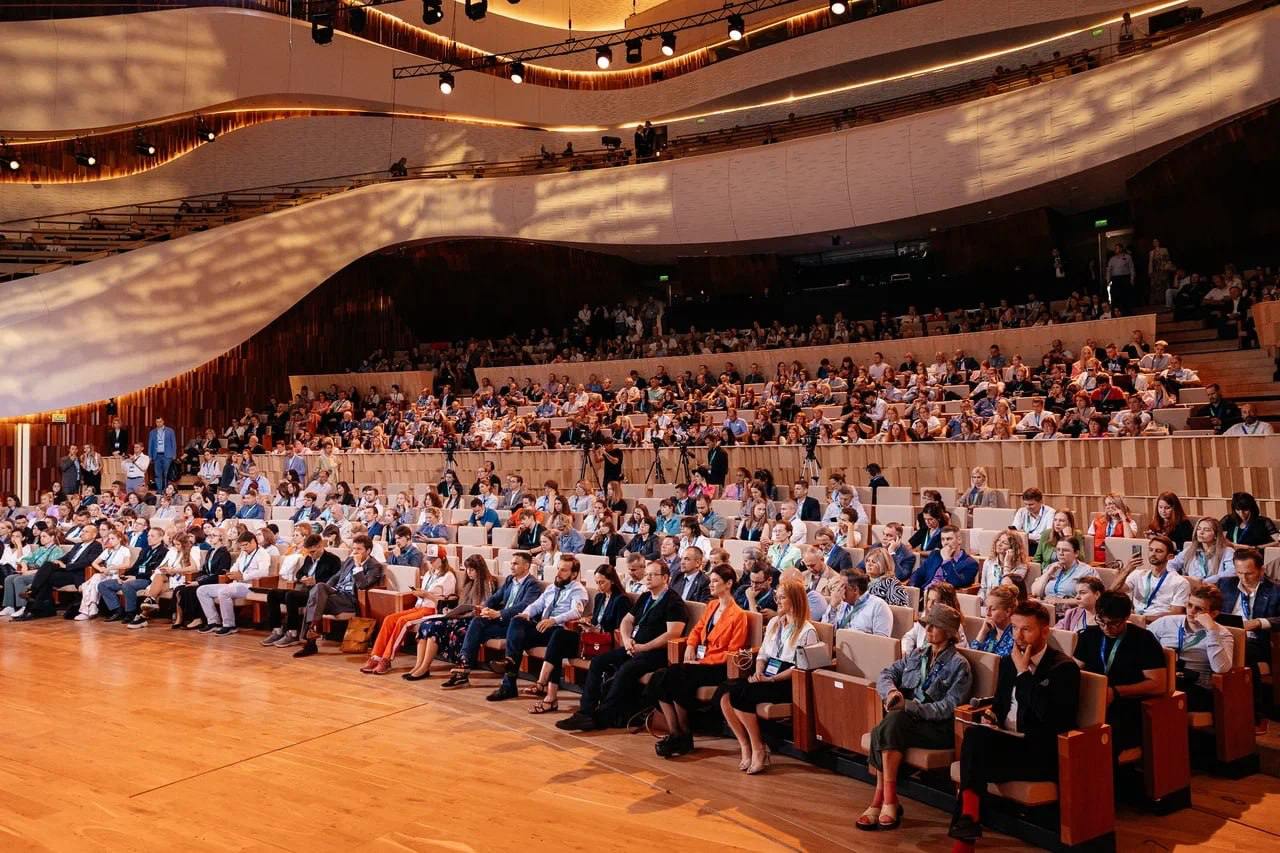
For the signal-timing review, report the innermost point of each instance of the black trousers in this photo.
(623, 692)
(1258, 650)
(746, 695)
(1125, 718)
(679, 684)
(187, 604)
(561, 645)
(990, 755)
(48, 578)
(294, 600)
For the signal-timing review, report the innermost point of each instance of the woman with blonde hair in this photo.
(884, 583)
(1114, 520)
(771, 679)
(1208, 555)
(1008, 557)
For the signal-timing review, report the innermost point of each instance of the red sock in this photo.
(970, 803)
(878, 800)
(890, 790)
(961, 847)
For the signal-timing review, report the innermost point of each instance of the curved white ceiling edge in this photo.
(117, 70)
(117, 325)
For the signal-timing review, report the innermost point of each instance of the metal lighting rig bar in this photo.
(576, 45)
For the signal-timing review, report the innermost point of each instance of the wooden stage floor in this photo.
(172, 741)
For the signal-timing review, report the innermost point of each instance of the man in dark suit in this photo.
(117, 439)
(717, 463)
(491, 621)
(308, 511)
(1222, 413)
(1045, 684)
(136, 577)
(67, 569)
(341, 593)
(318, 566)
(513, 494)
(1256, 600)
(692, 584)
(808, 508)
(69, 467)
(834, 556)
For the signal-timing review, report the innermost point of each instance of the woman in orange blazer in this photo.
(720, 632)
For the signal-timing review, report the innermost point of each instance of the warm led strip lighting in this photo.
(919, 72)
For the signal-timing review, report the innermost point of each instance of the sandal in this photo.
(868, 821)
(893, 822)
(544, 707)
(534, 690)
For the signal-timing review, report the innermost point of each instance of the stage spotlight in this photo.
(357, 17)
(477, 9)
(145, 148)
(668, 44)
(84, 158)
(604, 57)
(204, 132)
(839, 7)
(635, 51)
(12, 163)
(432, 11)
(446, 83)
(517, 72)
(736, 27)
(322, 28)
(613, 143)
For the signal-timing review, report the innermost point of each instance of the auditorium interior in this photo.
(878, 398)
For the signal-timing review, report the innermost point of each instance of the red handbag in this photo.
(595, 643)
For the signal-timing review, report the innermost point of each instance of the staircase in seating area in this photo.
(1245, 376)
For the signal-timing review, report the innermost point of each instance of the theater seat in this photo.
(773, 710)
(922, 759)
(1027, 793)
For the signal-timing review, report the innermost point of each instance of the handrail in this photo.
(705, 143)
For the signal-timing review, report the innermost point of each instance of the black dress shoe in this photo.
(965, 828)
(504, 692)
(307, 650)
(573, 722)
(116, 616)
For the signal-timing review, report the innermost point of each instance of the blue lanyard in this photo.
(648, 605)
(1061, 577)
(1245, 607)
(1108, 659)
(1195, 639)
(850, 612)
(928, 538)
(1151, 594)
(928, 673)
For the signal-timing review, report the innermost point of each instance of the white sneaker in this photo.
(8, 611)
(17, 613)
(82, 617)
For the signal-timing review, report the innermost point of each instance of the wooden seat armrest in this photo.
(675, 651)
(224, 578)
(1275, 667)
(269, 582)
(1233, 714)
(732, 664)
(1086, 798)
(968, 713)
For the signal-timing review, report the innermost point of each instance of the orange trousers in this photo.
(393, 629)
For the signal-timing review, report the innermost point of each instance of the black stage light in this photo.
(477, 9)
(635, 51)
(84, 158)
(668, 44)
(517, 72)
(322, 28)
(604, 57)
(446, 83)
(432, 11)
(737, 27)
(357, 17)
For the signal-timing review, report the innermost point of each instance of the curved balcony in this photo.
(90, 332)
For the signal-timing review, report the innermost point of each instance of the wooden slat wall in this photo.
(1203, 470)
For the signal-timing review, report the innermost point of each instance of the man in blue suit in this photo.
(949, 563)
(491, 621)
(162, 447)
(1256, 600)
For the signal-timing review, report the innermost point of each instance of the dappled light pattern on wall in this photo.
(112, 326)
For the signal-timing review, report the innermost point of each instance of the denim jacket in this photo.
(949, 689)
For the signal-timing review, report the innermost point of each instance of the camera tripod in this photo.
(811, 467)
(588, 465)
(656, 473)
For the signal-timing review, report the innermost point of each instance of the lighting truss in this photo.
(578, 45)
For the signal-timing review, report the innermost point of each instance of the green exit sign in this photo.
(1101, 223)
(1097, 32)
(664, 278)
